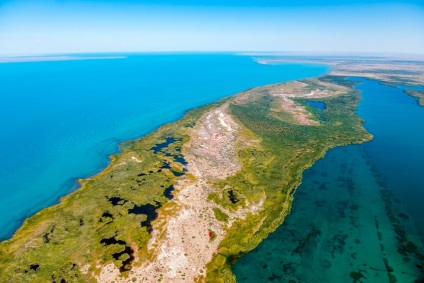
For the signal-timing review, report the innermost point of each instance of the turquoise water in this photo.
(60, 120)
(357, 217)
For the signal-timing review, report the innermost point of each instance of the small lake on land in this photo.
(317, 104)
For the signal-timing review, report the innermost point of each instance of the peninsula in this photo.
(184, 202)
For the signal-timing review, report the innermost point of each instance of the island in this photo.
(184, 202)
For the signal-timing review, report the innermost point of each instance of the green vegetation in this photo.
(220, 215)
(340, 80)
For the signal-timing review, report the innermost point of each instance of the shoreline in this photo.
(240, 99)
(194, 139)
(113, 157)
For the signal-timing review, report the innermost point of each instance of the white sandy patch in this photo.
(108, 274)
(84, 269)
(135, 159)
(221, 119)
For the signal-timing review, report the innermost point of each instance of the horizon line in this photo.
(74, 56)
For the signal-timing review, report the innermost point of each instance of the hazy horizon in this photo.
(48, 27)
(123, 54)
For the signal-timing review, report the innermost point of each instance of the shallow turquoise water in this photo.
(357, 217)
(61, 120)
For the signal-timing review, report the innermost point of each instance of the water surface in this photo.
(317, 104)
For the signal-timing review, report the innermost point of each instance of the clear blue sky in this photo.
(72, 26)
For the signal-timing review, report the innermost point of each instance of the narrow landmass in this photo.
(389, 70)
(418, 94)
(184, 202)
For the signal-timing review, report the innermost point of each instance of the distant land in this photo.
(397, 70)
(47, 58)
(407, 70)
(183, 203)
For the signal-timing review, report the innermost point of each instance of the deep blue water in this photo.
(358, 215)
(397, 150)
(317, 104)
(60, 120)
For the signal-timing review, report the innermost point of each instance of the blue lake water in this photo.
(317, 104)
(60, 120)
(357, 217)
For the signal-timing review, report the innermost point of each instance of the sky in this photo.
(40, 27)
